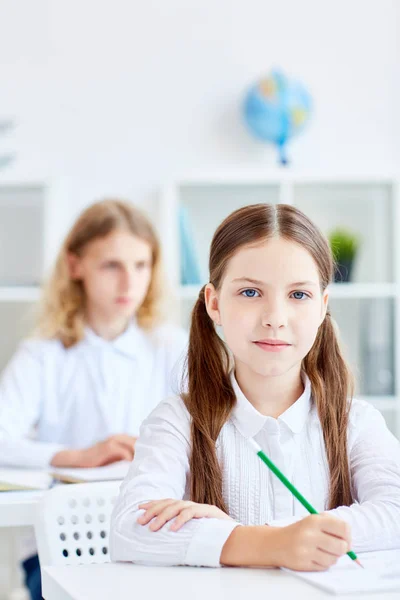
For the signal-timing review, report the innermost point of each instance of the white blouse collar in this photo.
(131, 342)
(249, 421)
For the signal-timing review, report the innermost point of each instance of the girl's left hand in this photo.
(162, 511)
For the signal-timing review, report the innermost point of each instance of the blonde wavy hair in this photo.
(61, 310)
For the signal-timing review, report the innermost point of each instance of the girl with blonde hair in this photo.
(197, 494)
(102, 358)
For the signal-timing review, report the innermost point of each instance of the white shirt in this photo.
(253, 495)
(78, 396)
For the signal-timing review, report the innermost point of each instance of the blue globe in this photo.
(276, 109)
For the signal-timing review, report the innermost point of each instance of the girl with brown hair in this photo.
(197, 494)
(101, 358)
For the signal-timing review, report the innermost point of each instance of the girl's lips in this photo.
(273, 346)
(123, 300)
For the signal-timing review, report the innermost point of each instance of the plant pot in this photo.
(343, 271)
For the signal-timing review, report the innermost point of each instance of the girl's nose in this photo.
(274, 315)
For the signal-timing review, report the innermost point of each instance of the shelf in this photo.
(363, 290)
(268, 175)
(19, 293)
(336, 290)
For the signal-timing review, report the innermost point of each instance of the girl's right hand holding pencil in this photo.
(313, 544)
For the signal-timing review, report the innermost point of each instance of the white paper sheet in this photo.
(381, 573)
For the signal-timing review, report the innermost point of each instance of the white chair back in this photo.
(73, 521)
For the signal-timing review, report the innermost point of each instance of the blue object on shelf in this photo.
(190, 270)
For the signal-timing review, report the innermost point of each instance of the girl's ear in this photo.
(74, 266)
(211, 300)
(324, 307)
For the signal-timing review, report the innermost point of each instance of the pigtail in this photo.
(332, 389)
(209, 401)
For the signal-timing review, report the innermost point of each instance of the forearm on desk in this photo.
(198, 543)
(27, 453)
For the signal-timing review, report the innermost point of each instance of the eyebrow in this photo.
(302, 284)
(248, 280)
(258, 282)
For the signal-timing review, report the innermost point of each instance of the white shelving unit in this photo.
(367, 309)
(32, 217)
(25, 237)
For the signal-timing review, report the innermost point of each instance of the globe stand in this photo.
(282, 159)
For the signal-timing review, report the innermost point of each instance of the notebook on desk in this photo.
(34, 479)
(113, 472)
(24, 479)
(381, 573)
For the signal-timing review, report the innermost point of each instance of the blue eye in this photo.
(250, 293)
(300, 295)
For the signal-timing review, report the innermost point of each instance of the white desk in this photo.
(17, 509)
(126, 581)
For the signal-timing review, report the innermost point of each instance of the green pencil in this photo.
(291, 487)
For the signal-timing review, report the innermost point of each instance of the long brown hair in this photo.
(210, 398)
(62, 306)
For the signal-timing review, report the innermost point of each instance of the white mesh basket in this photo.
(73, 521)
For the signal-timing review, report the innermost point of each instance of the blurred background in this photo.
(146, 101)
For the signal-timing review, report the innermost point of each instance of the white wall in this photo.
(113, 97)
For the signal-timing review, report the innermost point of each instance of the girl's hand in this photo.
(162, 511)
(313, 544)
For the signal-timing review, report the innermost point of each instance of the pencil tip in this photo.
(358, 562)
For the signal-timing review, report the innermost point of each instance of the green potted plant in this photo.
(344, 245)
